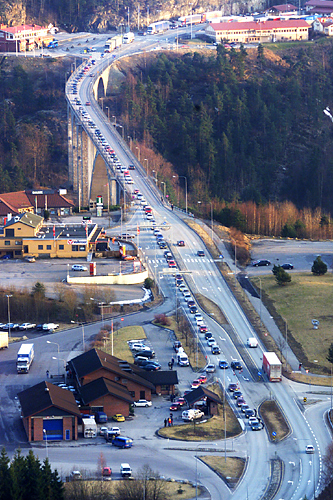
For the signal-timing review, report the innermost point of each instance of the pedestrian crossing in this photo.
(164, 262)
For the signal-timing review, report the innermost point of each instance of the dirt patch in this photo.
(230, 470)
(274, 420)
(120, 338)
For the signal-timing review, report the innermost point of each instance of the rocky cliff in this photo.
(106, 15)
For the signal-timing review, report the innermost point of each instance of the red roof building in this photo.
(284, 9)
(319, 7)
(259, 31)
(35, 202)
(21, 38)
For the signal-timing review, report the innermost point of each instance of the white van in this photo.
(182, 359)
(189, 415)
(252, 342)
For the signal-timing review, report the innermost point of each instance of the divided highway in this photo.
(301, 472)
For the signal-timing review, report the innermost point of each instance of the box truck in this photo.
(89, 428)
(25, 357)
(128, 37)
(272, 366)
(3, 340)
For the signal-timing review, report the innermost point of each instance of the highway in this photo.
(302, 472)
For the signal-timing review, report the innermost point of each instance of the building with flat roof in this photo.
(22, 38)
(259, 31)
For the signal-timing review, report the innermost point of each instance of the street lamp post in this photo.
(137, 147)
(164, 187)
(107, 107)
(53, 357)
(8, 309)
(196, 468)
(154, 172)
(115, 120)
(146, 159)
(211, 216)
(49, 342)
(47, 452)
(191, 17)
(183, 177)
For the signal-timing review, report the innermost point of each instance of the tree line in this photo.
(244, 127)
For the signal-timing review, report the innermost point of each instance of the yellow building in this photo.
(25, 235)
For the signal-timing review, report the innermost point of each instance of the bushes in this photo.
(162, 319)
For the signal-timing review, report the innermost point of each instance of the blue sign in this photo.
(274, 433)
(259, 374)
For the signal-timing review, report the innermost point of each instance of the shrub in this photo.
(319, 267)
(162, 319)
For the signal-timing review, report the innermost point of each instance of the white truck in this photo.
(125, 470)
(25, 357)
(3, 340)
(89, 428)
(189, 415)
(128, 37)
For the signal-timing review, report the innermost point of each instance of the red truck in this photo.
(272, 366)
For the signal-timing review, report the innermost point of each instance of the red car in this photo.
(203, 379)
(181, 401)
(175, 406)
(172, 263)
(203, 329)
(195, 384)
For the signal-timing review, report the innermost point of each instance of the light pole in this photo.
(53, 357)
(196, 468)
(47, 451)
(164, 187)
(107, 107)
(260, 296)
(211, 216)
(154, 172)
(146, 159)
(191, 18)
(137, 147)
(8, 309)
(183, 177)
(49, 342)
(115, 120)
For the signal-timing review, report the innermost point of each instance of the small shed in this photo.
(213, 400)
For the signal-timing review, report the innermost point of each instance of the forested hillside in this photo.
(240, 125)
(33, 127)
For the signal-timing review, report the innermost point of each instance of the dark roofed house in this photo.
(95, 364)
(163, 380)
(213, 400)
(282, 9)
(49, 412)
(108, 396)
(319, 7)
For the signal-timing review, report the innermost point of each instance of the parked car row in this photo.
(29, 326)
(143, 356)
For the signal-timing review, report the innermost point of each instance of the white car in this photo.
(27, 326)
(142, 402)
(309, 449)
(79, 267)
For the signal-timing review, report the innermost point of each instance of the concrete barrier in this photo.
(115, 279)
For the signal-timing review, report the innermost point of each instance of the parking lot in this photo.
(21, 274)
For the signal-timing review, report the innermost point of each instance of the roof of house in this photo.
(260, 25)
(320, 3)
(284, 7)
(103, 387)
(23, 27)
(160, 377)
(27, 200)
(200, 393)
(94, 359)
(27, 218)
(44, 395)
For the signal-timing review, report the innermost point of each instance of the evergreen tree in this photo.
(282, 277)
(5, 477)
(319, 267)
(330, 354)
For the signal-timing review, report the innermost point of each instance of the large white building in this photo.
(259, 31)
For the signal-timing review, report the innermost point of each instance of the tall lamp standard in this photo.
(147, 167)
(8, 309)
(47, 451)
(183, 177)
(164, 187)
(53, 357)
(211, 215)
(137, 147)
(196, 469)
(49, 342)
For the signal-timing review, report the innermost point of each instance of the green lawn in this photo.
(307, 297)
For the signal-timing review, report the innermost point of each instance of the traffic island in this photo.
(275, 422)
(230, 469)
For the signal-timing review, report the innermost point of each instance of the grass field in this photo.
(230, 470)
(307, 297)
(210, 430)
(274, 420)
(120, 338)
